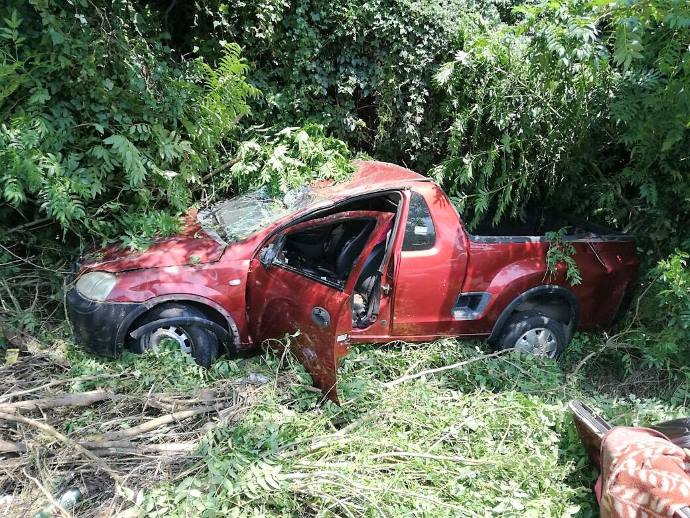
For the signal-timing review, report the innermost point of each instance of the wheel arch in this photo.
(214, 311)
(554, 301)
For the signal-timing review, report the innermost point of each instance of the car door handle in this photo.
(320, 316)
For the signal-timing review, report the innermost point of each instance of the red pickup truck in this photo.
(380, 258)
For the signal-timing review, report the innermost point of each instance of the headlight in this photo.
(96, 285)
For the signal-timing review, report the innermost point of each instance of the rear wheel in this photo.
(534, 333)
(196, 341)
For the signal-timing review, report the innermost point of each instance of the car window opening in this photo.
(328, 253)
(420, 233)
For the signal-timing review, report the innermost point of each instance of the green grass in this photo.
(491, 438)
(165, 370)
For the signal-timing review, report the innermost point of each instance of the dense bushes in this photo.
(578, 105)
(663, 336)
(569, 104)
(101, 129)
(636, 169)
(363, 68)
(518, 129)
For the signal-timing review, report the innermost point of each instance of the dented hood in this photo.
(191, 246)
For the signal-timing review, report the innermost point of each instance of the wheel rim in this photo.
(153, 340)
(538, 341)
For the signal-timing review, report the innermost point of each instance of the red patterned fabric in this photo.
(644, 475)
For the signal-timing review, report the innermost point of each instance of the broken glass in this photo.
(239, 217)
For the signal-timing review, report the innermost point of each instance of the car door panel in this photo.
(428, 282)
(315, 314)
(283, 302)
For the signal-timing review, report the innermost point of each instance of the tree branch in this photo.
(72, 400)
(28, 224)
(214, 172)
(428, 372)
(157, 423)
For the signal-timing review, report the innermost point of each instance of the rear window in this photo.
(419, 230)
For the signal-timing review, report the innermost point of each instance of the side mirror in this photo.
(269, 254)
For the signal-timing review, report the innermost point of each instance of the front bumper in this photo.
(101, 327)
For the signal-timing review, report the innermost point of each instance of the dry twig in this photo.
(12, 447)
(78, 379)
(429, 456)
(66, 441)
(165, 430)
(157, 423)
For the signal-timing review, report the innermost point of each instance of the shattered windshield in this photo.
(239, 217)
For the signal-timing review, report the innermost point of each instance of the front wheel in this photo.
(534, 333)
(196, 341)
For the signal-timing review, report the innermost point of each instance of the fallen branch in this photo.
(612, 342)
(205, 398)
(223, 167)
(157, 423)
(78, 379)
(71, 400)
(12, 447)
(339, 437)
(46, 428)
(320, 476)
(166, 446)
(129, 448)
(448, 458)
(28, 224)
(429, 372)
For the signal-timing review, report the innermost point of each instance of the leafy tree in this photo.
(638, 173)
(102, 130)
(364, 69)
(571, 104)
(288, 160)
(518, 130)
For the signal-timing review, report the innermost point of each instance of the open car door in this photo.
(300, 283)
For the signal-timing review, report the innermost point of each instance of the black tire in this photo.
(548, 334)
(203, 344)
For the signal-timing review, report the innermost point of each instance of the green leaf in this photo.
(129, 157)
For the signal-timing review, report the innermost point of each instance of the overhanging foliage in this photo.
(101, 128)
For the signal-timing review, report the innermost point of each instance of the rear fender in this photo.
(545, 289)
